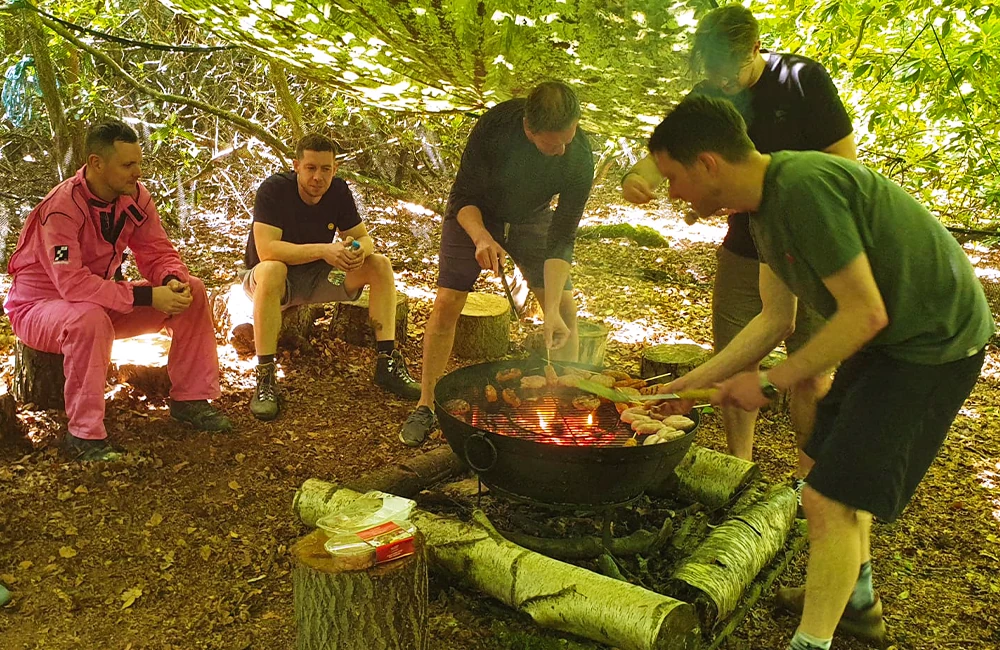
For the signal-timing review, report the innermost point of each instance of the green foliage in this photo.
(642, 235)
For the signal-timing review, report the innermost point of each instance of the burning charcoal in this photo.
(509, 375)
(511, 397)
(617, 375)
(587, 403)
(679, 422)
(533, 382)
(457, 407)
(492, 398)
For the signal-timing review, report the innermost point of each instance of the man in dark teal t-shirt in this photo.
(907, 325)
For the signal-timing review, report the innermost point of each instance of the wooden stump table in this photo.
(483, 329)
(383, 607)
(351, 324)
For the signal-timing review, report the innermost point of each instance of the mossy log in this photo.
(383, 607)
(715, 576)
(677, 359)
(483, 329)
(708, 477)
(555, 594)
(593, 337)
(350, 321)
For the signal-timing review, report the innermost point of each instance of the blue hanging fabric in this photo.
(20, 87)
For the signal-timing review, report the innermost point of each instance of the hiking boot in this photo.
(417, 427)
(90, 451)
(391, 374)
(201, 415)
(866, 624)
(799, 484)
(264, 403)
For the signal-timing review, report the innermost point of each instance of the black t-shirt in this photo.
(504, 175)
(794, 106)
(278, 204)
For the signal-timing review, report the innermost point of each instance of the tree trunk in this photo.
(556, 595)
(38, 42)
(708, 477)
(677, 359)
(380, 608)
(38, 377)
(483, 329)
(715, 576)
(350, 321)
(289, 107)
(593, 342)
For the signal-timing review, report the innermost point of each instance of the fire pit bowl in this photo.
(562, 469)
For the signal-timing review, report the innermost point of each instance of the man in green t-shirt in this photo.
(907, 324)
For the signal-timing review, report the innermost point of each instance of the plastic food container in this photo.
(371, 530)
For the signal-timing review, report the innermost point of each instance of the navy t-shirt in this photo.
(278, 204)
(794, 106)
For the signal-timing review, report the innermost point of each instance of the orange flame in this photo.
(590, 419)
(542, 423)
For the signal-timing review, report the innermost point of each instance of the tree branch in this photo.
(244, 124)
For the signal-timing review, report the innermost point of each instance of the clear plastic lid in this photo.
(370, 510)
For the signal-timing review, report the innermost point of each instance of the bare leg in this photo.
(739, 426)
(376, 273)
(269, 277)
(836, 535)
(802, 409)
(439, 337)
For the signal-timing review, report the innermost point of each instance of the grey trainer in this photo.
(264, 403)
(417, 427)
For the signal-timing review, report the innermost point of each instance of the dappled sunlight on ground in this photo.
(663, 218)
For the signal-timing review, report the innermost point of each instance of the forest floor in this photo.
(184, 543)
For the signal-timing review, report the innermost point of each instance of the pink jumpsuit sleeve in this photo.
(155, 256)
(58, 251)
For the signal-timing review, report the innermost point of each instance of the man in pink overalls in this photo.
(65, 298)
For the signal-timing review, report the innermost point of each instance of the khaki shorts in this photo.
(736, 300)
(306, 284)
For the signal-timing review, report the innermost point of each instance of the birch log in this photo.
(708, 477)
(555, 594)
(717, 573)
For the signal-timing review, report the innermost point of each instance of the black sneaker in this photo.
(90, 451)
(417, 427)
(391, 374)
(200, 414)
(798, 484)
(264, 403)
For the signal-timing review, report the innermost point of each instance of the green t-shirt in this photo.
(818, 212)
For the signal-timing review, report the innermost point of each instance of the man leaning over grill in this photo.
(520, 154)
(907, 324)
(290, 254)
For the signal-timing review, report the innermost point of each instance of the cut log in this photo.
(232, 314)
(717, 573)
(383, 607)
(38, 377)
(483, 330)
(351, 324)
(676, 358)
(555, 594)
(708, 477)
(141, 362)
(11, 431)
(593, 342)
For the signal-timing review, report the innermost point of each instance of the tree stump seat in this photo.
(140, 361)
(674, 359)
(483, 329)
(350, 321)
(383, 607)
(232, 315)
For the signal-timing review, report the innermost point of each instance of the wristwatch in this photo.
(769, 390)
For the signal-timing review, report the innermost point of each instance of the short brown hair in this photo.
(103, 136)
(551, 106)
(724, 39)
(314, 142)
(699, 124)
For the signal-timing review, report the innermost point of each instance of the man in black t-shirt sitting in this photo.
(788, 103)
(520, 154)
(290, 254)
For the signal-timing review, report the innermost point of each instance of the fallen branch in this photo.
(641, 542)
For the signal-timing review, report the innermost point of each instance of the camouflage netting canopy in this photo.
(626, 57)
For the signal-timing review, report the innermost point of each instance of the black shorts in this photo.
(524, 242)
(881, 425)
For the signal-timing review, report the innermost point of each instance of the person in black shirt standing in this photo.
(291, 252)
(788, 103)
(520, 154)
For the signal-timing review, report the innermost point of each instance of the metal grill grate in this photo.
(552, 421)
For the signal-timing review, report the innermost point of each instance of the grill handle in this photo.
(480, 437)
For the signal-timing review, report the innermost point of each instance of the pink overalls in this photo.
(64, 298)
